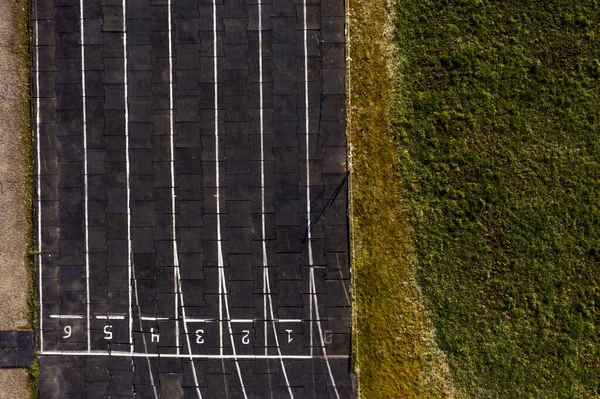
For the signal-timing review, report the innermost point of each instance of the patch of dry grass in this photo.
(394, 347)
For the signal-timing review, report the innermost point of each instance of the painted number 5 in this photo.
(107, 332)
(67, 331)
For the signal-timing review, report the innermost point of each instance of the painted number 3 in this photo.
(200, 336)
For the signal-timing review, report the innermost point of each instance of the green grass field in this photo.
(497, 127)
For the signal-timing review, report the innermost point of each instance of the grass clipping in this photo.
(394, 345)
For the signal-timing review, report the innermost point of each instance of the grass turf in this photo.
(497, 133)
(394, 350)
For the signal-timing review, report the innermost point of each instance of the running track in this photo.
(191, 198)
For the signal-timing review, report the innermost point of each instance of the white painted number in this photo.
(328, 336)
(67, 330)
(108, 332)
(199, 336)
(289, 335)
(246, 337)
(154, 335)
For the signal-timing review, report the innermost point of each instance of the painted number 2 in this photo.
(246, 337)
(67, 330)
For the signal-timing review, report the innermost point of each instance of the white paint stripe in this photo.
(187, 336)
(176, 269)
(110, 317)
(85, 176)
(266, 277)
(288, 321)
(242, 320)
(65, 316)
(147, 318)
(175, 356)
(217, 196)
(222, 280)
(262, 176)
(129, 251)
(312, 278)
(285, 376)
(38, 121)
(314, 301)
(137, 302)
(237, 365)
(200, 320)
(172, 160)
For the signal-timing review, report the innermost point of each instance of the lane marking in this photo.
(38, 121)
(288, 320)
(180, 356)
(312, 278)
(85, 176)
(146, 318)
(266, 277)
(109, 317)
(65, 316)
(176, 269)
(314, 299)
(200, 320)
(130, 271)
(127, 172)
(222, 280)
(242, 320)
(144, 341)
(176, 282)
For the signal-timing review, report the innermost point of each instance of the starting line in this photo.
(188, 356)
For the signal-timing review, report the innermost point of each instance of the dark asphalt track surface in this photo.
(192, 226)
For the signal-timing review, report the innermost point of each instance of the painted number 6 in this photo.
(67, 331)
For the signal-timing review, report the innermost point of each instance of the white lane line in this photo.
(266, 277)
(222, 280)
(176, 284)
(237, 365)
(200, 320)
(132, 282)
(176, 356)
(285, 376)
(187, 337)
(137, 302)
(218, 199)
(242, 320)
(110, 317)
(147, 318)
(288, 320)
(127, 172)
(66, 316)
(262, 177)
(312, 281)
(176, 269)
(85, 176)
(314, 300)
(38, 121)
